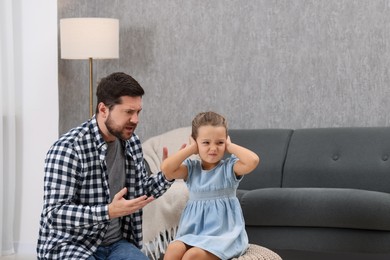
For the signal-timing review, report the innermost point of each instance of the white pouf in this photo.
(256, 252)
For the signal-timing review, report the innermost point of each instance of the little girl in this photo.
(212, 225)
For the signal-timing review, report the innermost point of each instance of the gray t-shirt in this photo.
(115, 159)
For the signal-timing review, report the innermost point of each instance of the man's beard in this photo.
(118, 133)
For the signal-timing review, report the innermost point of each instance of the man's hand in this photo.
(165, 153)
(120, 207)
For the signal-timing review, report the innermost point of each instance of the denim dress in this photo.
(212, 219)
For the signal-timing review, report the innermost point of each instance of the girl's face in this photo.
(211, 143)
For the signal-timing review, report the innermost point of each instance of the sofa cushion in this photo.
(357, 158)
(317, 207)
(271, 146)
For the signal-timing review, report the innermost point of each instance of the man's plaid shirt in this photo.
(75, 217)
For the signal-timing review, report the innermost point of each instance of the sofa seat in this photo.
(317, 207)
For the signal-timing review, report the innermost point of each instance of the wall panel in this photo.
(263, 64)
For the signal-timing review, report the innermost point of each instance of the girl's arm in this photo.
(173, 167)
(247, 160)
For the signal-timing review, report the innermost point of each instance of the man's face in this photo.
(123, 118)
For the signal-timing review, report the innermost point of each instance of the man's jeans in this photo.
(121, 250)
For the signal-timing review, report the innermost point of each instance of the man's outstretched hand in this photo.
(120, 207)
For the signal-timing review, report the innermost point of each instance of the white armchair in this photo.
(161, 217)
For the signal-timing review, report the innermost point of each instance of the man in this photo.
(95, 183)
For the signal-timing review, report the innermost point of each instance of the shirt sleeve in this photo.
(155, 185)
(63, 209)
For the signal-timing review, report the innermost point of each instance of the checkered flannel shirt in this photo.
(75, 217)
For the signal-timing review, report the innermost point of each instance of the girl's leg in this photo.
(175, 250)
(196, 253)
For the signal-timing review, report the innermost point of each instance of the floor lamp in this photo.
(89, 38)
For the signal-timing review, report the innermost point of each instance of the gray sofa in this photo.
(324, 190)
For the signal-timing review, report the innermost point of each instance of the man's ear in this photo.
(103, 109)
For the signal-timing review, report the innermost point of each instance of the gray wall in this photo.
(262, 64)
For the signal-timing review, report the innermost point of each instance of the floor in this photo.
(299, 255)
(19, 257)
(286, 255)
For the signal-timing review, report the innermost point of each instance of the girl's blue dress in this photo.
(212, 219)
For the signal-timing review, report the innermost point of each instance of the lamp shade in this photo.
(84, 38)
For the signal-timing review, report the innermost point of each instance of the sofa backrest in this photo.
(357, 158)
(271, 146)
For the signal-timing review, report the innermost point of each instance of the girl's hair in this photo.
(207, 118)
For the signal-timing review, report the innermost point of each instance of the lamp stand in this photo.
(90, 88)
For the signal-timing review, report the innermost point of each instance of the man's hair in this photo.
(207, 118)
(116, 85)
